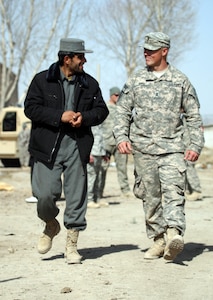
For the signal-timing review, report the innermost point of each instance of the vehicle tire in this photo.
(11, 163)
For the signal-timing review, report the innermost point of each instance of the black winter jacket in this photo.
(44, 105)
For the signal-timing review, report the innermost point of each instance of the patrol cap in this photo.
(72, 45)
(114, 91)
(156, 40)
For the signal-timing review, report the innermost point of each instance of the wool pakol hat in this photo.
(114, 91)
(71, 45)
(156, 40)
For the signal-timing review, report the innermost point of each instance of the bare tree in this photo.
(177, 19)
(120, 26)
(29, 31)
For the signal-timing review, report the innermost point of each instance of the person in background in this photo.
(31, 199)
(154, 134)
(63, 103)
(94, 167)
(111, 149)
(193, 185)
(24, 155)
(23, 143)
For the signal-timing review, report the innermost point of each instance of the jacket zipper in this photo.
(57, 137)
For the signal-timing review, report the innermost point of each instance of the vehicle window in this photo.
(9, 122)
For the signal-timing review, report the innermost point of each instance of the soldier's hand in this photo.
(91, 159)
(125, 148)
(191, 155)
(106, 158)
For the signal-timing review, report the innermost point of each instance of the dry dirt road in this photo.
(113, 247)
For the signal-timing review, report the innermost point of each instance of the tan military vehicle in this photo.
(11, 124)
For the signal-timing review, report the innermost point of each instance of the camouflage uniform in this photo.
(23, 144)
(192, 179)
(93, 169)
(110, 147)
(148, 116)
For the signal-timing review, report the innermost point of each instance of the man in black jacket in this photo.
(63, 103)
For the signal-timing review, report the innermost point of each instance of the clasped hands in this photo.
(71, 117)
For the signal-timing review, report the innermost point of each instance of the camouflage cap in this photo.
(114, 91)
(156, 40)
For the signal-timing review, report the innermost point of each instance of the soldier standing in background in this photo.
(111, 149)
(94, 167)
(23, 144)
(154, 135)
(193, 186)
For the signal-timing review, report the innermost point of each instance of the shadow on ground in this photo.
(192, 250)
(93, 253)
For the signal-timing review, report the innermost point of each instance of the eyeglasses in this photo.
(117, 95)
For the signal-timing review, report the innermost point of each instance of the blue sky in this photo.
(197, 63)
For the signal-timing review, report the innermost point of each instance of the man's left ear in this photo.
(165, 51)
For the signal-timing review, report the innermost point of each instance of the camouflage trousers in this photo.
(24, 157)
(192, 179)
(121, 167)
(160, 183)
(94, 179)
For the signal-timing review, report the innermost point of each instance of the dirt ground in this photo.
(113, 247)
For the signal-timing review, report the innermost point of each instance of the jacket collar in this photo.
(53, 74)
(166, 76)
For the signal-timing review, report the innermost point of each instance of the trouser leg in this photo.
(75, 189)
(102, 176)
(98, 166)
(172, 170)
(121, 165)
(46, 187)
(94, 177)
(192, 179)
(91, 181)
(146, 168)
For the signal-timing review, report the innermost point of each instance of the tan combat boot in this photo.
(52, 228)
(174, 244)
(157, 248)
(71, 253)
(195, 196)
(92, 204)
